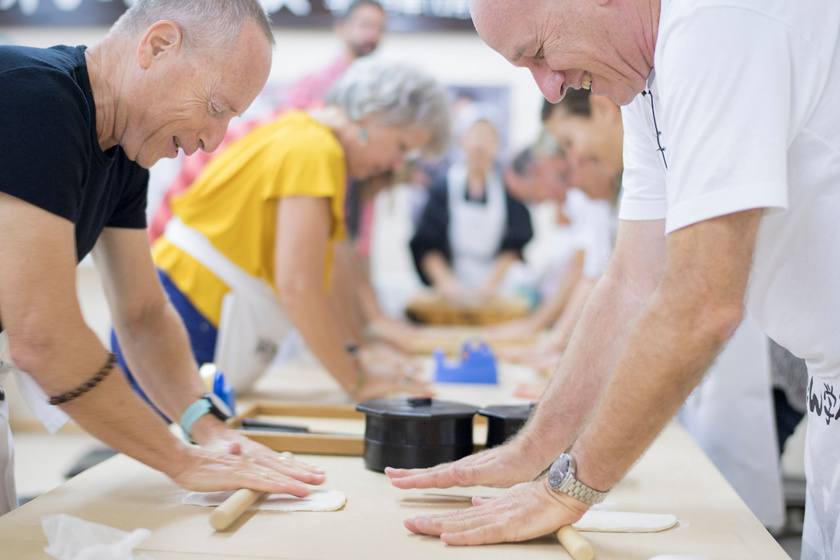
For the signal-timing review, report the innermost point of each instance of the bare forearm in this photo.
(437, 270)
(157, 349)
(697, 306)
(313, 316)
(344, 290)
(571, 313)
(592, 351)
(500, 268)
(110, 411)
(666, 354)
(551, 310)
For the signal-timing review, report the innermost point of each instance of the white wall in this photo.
(457, 58)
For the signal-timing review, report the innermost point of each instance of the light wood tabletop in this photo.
(673, 477)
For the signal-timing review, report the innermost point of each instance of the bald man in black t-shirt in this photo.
(78, 129)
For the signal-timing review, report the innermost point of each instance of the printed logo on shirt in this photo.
(266, 349)
(823, 401)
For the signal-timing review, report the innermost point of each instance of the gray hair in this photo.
(394, 94)
(207, 25)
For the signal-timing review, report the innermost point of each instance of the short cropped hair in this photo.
(522, 163)
(208, 25)
(575, 102)
(394, 94)
(356, 4)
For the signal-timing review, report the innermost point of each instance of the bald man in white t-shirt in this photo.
(732, 196)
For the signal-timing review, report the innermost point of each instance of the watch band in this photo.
(562, 478)
(195, 411)
(582, 492)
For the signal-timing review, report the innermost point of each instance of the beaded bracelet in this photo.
(89, 384)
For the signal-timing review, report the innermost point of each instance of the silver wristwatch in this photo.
(561, 478)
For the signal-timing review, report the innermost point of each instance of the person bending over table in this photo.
(730, 179)
(79, 128)
(247, 255)
(471, 230)
(589, 131)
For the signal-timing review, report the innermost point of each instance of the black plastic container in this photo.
(503, 421)
(416, 432)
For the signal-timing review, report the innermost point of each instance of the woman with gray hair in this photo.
(248, 253)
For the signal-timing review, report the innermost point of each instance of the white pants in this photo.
(8, 497)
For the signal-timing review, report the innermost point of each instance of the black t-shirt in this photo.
(432, 232)
(49, 152)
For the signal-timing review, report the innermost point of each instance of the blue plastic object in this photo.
(214, 380)
(477, 365)
(223, 390)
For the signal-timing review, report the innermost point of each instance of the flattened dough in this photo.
(625, 522)
(679, 557)
(319, 499)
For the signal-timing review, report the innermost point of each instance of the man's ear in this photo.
(604, 109)
(161, 39)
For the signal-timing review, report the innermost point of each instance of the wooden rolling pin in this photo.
(577, 547)
(237, 503)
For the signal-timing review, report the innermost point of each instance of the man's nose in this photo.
(549, 82)
(214, 135)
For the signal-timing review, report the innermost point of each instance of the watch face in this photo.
(219, 404)
(559, 470)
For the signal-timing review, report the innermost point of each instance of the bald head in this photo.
(603, 44)
(209, 25)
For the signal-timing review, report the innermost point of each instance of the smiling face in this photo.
(568, 44)
(185, 100)
(374, 149)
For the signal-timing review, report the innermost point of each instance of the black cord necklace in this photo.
(661, 149)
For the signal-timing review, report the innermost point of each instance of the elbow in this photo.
(293, 291)
(719, 322)
(33, 349)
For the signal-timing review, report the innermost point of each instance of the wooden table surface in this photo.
(673, 477)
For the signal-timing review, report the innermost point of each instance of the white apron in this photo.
(731, 417)
(50, 416)
(475, 229)
(252, 326)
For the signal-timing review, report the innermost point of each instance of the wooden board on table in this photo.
(341, 434)
(335, 429)
(673, 477)
(452, 339)
(434, 309)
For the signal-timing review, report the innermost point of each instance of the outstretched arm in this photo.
(301, 239)
(49, 339)
(622, 291)
(695, 308)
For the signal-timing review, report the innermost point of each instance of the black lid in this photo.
(508, 412)
(416, 407)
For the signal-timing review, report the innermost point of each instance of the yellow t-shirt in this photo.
(234, 202)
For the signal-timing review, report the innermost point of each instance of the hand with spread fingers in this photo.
(205, 470)
(223, 448)
(528, 510)
(501, 466)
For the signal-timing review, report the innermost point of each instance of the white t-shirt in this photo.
(745, 96)
(593, 230)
